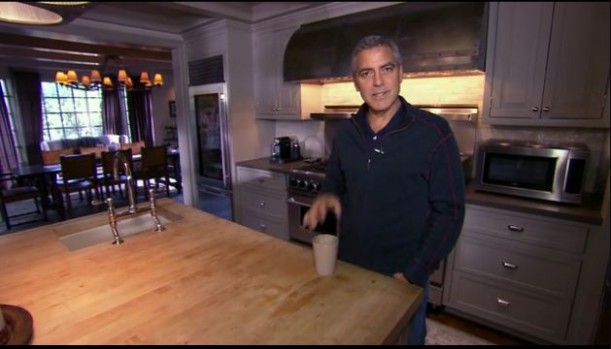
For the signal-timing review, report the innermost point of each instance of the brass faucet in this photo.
(131, 192)
(120, 158)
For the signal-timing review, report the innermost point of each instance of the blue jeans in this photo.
(417, 326)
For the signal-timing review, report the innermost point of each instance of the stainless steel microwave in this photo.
(533, 170)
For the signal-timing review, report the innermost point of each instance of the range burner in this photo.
(307, 178)
(316, 167)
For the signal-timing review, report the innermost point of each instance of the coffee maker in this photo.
(285, 149)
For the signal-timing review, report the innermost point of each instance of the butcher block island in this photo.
(204, 280)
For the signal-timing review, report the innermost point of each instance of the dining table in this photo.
(45, 178)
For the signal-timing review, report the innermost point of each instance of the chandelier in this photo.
(95, 80)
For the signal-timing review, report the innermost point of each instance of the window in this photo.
(8, 100)
(70, 113)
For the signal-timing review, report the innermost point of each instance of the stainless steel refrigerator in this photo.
(209, 108)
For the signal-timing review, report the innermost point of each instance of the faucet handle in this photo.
(153, 207)
(112, 220)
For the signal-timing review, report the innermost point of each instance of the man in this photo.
(394, 179)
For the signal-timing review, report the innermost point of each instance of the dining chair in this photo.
(79, 173)
(11, 192)
(107, 179)
(153, 166)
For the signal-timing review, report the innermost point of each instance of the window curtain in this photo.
(9, 157)
(112, 122)
(140, 106)
(28, 94)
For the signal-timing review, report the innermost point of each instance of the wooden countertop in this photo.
(589, 212)
(204, 280)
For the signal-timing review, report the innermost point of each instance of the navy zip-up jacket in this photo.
(403, 203)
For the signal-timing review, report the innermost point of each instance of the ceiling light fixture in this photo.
(42, 12)
(95, 81)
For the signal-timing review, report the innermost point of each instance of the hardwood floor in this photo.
(489, 334)
(501, 338)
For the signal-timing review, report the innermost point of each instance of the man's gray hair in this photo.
(373, 41)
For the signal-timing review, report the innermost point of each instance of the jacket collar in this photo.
(404, 115)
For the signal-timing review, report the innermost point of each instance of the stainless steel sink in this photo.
(103, 234)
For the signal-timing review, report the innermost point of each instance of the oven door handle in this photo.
(292, 200)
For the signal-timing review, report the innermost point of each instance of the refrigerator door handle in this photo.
(225, 142)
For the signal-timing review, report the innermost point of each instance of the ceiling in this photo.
(139, 33)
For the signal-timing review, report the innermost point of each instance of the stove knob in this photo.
(318, 187)
(311, 185)
(301, 183)
(292, 182)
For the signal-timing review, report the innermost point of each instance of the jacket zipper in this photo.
(386, 135)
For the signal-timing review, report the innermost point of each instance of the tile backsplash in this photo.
(310, 134)
(430, 90)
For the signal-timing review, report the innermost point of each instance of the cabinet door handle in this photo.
(515, 228)
(263, 226)
(535, 109)
(503, 302)
(262, 204)
(545, 109)
(510, 266)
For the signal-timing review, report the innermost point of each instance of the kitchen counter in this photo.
(265, 164)
(589, 212)
(204, 280)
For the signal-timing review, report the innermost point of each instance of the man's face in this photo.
(378, 78)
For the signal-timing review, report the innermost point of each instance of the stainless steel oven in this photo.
(302, 191)
(298, 206)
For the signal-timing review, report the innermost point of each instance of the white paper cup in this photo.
(325, 253)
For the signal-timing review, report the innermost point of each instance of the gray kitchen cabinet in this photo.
(275, 98)
(517, 271)
(261, 201)
(547, 64)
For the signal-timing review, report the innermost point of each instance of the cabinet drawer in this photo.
(553, 234)
(261, 203)
(540, 269)
(265, 224)
(541, 316)
(260, 179)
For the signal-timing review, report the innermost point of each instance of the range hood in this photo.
(435, 38)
